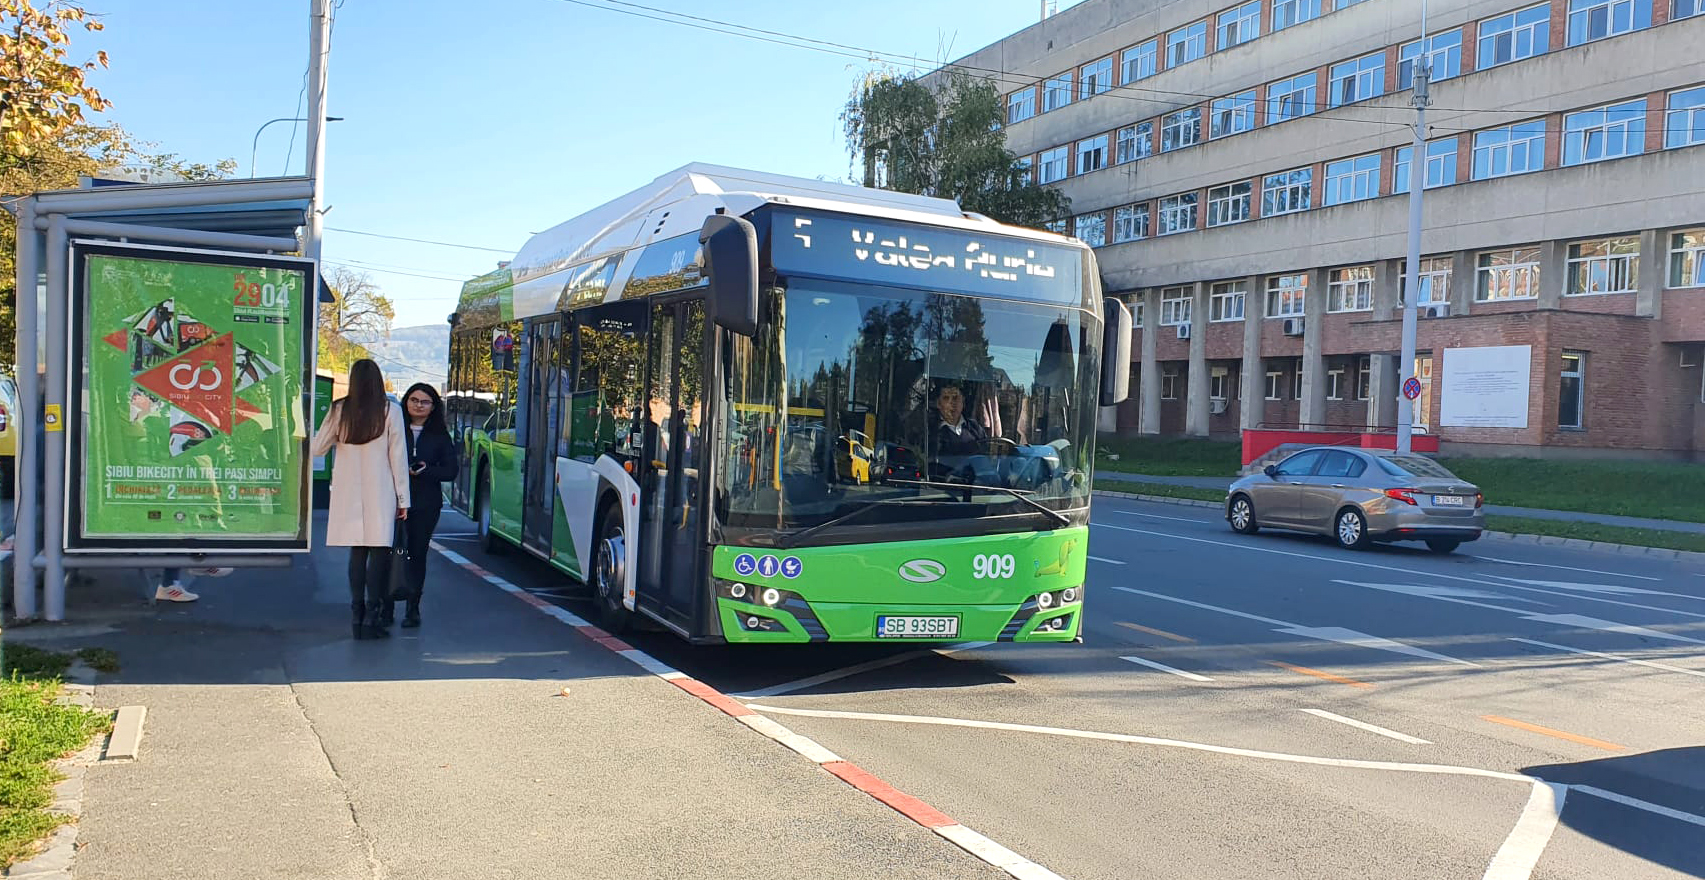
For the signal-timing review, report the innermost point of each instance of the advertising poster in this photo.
(1486, 386)
(191, 430)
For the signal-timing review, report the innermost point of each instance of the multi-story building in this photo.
(1243, 172)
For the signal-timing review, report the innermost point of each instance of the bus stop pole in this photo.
(25, 360)
(53, 480)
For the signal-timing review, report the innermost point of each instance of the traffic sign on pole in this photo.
(1412, 388)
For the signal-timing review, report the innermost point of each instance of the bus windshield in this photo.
(859, 406)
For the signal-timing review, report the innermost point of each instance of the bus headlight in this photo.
(771, 597)
(1045, 601)
(737, 590)
(1068, 595)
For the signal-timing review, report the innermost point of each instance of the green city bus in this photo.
(755, 408)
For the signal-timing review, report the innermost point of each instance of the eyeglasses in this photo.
(420, 401)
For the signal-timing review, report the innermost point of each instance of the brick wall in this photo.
(1683, 315)
(1606, 304)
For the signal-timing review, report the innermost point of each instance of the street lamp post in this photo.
(1422, 73)
(255, 147)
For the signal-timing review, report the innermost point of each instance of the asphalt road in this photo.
(1275, 707)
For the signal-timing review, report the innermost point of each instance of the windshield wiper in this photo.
(792, 539)
(1019, 494)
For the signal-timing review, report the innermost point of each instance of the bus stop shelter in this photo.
(253, 216)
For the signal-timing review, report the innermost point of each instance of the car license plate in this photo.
(907, 627)
(1449, 501)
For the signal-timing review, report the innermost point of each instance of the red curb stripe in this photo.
(711, 695)
(905, 804)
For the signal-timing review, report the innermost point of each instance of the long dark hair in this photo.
(434, 422)
(363, 418)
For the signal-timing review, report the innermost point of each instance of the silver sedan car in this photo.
(1359, 496)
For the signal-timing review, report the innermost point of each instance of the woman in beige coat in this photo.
(370, 489)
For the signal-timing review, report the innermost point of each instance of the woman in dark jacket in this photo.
(432, 463)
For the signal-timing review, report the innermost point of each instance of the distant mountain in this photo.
(412, 354)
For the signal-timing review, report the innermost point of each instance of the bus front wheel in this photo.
(609, 570)
(490, 543)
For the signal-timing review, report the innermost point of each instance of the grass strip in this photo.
(1168, 456)
(34, 732)
(1584, 531)
(1163, 490)
(1651, 489)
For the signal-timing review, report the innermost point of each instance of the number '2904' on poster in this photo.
(190, 433)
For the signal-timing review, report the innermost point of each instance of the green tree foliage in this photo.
(947, 143)
(41, 93)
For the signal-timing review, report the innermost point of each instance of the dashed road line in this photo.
(1665, 667)
(1156, 632)
(1326, 676)
(1553, 732)
(1641, 577)
(970, 841)
(1165, 668)
(1638, 804)
(1106, 560)
(1370, 728)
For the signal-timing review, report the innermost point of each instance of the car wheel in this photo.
(1351, 529)
(1242, 516)
(1443, 545)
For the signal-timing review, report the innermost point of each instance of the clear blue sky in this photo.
(483, 122)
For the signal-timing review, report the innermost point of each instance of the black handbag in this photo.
(398, 582)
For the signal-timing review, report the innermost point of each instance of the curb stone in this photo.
(54, 860)
(1664, 553)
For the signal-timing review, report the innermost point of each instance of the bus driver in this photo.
(954, 434)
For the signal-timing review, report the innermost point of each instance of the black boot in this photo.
(411, 614)
(359, 612)
(387, 613)
(375, 613)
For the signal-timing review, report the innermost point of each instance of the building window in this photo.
(1139, 61)
(1136, 303)
(1020, 106)
(1290, 98)
(1027, 168)
(1240, 25)
(1186, 44)
(1508, 274)
(1433, 279)
(1441, 165)
(1175, 306)
(1057, 92)
(1350, 290)
(1351, 180)
(1092, 154)
(1596, 19)
(1181, 129)
(1135, 142)
(1296, 381)
(1169, 384)
(1687, 259)
(1335, 383)
(1684, 124)
(1512, 37)
(1233, 114)
(1513, 149)
(1052, 165)
(1687, 9)
(1275, 385)
(1572, 390)
(1058, 227)
(1608, 265)
(1095, 78)
(1364, 378)
(1225, 301)
(1287, 192)
(1286, 295)
(1444, 58)
(1091, 229)
(1229, 203)
(1219, 383)
(1604, 133)
(1178, 213)
(1358, 80)
(1130, 223)
(1289, 12)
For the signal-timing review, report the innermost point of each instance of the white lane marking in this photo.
(1324, 633)
(1579, 621)
(1640, 577)
(1158, 516)
(1613, 589)
(1106, 560)
(856, 669)
(1601, 600)
(995, 854)
(1370, 728)
(1638, 804)
(1165, 668)
(1520, 853)
(1584, 651)
(802, 744)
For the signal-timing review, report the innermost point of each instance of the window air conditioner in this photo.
(1183, 331)
(1217, 405)
(1293, 326)
(1434, 310)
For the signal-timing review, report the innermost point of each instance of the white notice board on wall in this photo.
(1486, 386)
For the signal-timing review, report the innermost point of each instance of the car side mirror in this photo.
(1271, 470)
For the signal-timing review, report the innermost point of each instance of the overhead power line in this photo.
(471, 247)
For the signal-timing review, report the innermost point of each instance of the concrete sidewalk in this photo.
(277, 747)
(1633, 522)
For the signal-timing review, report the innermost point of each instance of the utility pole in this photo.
(1412, 271)
(319, 46)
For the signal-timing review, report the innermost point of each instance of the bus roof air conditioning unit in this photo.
(1293, 327)
(1183, 331)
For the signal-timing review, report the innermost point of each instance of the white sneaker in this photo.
(173, 593)
(211, 572)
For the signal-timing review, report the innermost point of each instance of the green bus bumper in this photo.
(800, 621)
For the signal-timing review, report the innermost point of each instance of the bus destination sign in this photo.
(884, 251)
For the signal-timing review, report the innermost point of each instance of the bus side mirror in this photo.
(1115, 352)
(731, 257)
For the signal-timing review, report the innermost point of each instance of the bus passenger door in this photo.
(672, 550)
(543, 410)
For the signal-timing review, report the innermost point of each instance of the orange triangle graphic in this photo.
(117, 339)
(198, 382)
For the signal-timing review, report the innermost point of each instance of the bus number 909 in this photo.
(992, 566)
